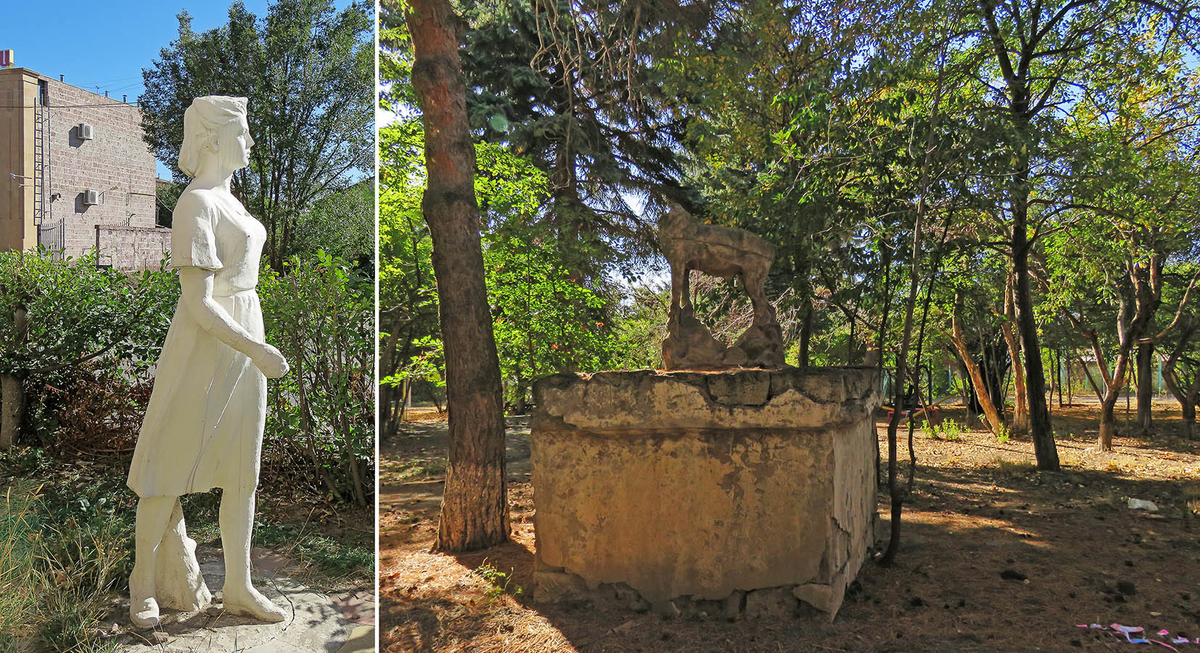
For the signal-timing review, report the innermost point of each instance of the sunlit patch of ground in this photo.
(979, 508)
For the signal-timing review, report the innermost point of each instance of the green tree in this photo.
(568, 86)
(475, 500)
(410, 338)
(342, 224)
(1129, 200)
(308, 72)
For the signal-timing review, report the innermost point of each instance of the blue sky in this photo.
(101, 49)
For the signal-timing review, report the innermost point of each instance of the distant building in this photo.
(75, 174)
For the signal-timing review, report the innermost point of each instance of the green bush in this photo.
(1003, 436)
(321, 417)
(948, 430)
(90, 332)
(93, 335)
(76, 312)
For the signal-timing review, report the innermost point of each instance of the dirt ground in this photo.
(995, 556)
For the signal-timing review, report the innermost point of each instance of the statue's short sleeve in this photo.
(193, 237)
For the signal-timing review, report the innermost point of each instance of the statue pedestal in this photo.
(748, 492)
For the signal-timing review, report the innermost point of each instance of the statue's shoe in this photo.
(144, 613)
(253, 604)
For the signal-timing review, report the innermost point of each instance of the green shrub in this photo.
(87, 330)
(93, 335)
(321, 416)
(948, 430)
(1003, 436)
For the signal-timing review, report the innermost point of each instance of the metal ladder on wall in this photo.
(41, 171)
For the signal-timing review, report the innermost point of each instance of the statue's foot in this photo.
(143, 613)
(251, 603)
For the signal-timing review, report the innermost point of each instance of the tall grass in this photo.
(58, 573)
(18, 557)
(66, 550)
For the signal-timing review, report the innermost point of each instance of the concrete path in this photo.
(316, 622)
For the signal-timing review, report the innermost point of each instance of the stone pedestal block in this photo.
(737, 493)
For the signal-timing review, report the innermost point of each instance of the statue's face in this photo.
(240, 143)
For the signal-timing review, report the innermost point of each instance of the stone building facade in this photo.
(75, 174)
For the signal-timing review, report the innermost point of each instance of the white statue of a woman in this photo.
(204, 424)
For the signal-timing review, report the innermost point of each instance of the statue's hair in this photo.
(202, 120)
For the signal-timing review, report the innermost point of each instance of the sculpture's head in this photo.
(675, 218)
(215, 126)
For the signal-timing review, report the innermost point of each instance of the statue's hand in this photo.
(270, 361)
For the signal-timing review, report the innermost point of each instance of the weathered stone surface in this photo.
(822, 596)
(731, 607)
(690, 345)
(762, 343)
(704, 485)
(557, 587)
(638, 400)
(776, 603)
(314, 622)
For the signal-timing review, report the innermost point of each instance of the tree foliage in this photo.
(308, 73)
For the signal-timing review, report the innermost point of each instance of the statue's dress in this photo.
(204, 425)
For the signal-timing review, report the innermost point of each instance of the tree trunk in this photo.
(1090, 379)
(1035, 378)
(475, 503)
(805, 336)
(1108, 419)
(1020, 190)
(1185, 396)
(12, 392)
(1145, 385)
(12, 401)
(1020, 409)
(976, 376)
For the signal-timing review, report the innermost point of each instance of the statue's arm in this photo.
(196, 285)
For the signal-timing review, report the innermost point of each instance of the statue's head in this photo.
(675, 216)
(215, 126)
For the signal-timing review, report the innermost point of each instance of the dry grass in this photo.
(979, 508)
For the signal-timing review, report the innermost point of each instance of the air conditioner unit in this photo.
(85, 132)
(91, 197)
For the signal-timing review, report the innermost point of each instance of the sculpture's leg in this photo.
(178, 583)
(677, 281)
(153, 514)
(687, 290)
(237, 521)
(754, 279)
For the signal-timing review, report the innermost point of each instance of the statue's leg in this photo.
(687, 289)
(753, 279)
(178, 582)
(677, 281)
(153, 514)
(237, 521)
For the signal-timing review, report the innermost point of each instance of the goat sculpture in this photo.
(722, 252)
(719, 251)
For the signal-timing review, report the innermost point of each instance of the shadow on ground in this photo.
(995, 556)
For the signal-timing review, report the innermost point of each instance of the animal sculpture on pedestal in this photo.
(723, 252)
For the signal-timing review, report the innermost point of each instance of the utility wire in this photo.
(112, 105)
